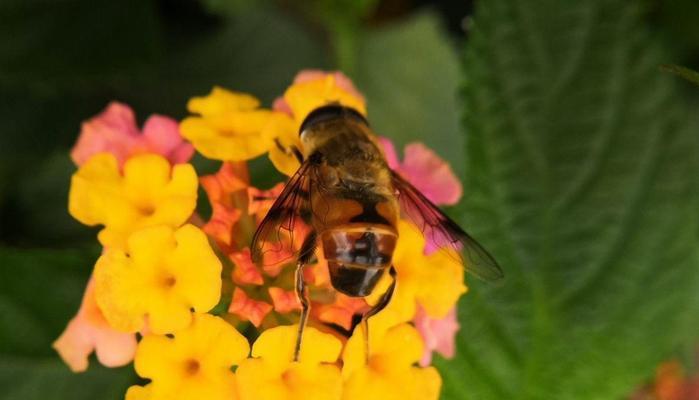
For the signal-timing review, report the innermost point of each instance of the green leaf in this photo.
(45, 44)
(155, 61)
(581, 179)
(41, 211)
(257, 52)
(409, 73)
(682, 72)
(49, 379)
(40, 290)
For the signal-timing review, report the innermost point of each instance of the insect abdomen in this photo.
(357, 256)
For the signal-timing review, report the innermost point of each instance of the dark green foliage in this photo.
(39, 291)
(686, 73)
(581, 165)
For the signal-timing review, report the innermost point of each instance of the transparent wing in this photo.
(274, 238)
(443, 232)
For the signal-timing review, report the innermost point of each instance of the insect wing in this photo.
(442, 231)
(274, 236)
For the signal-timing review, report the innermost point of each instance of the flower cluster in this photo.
(179, 294)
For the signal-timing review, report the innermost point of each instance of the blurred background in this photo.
(578, 154)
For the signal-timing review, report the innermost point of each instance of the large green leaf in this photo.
(581, 180)
(39, 292)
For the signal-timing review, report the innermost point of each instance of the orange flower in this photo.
(260, 201)
(245, 271)
(284, 300)
(226, 212)
(341, 311)
(247, 308)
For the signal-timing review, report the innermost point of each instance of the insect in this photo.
(350, 198)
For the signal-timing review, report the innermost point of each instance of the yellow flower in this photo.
(388, 373)
(311, 89)
(229, 126)
(162, 275)
(149, 192)
(195, 364)
(222, 101)
(306, 95)
(283, 132)
(136, 392)
(434, 281)
(272, 375)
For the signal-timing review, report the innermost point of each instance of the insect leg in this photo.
(380, 305)
(293, 150)
(305, 255)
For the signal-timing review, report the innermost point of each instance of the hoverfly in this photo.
(350, 198)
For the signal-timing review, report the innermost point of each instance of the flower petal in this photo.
(114, 131)
(284, 301)
(431, 175)
(439, 334)
(88, 331)
(161, 135)
(195, 363)
(274, 375)
(156, 278)
(248, 309)
(149, 193)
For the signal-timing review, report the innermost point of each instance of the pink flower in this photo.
(88, 331)
(308, 75)
(438, 334)
(430, 174)
(115, 131)
(426, 171)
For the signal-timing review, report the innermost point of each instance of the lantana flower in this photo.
(273, 375)
(249, 309)
(193, 364)
(162, 275)
(433, 282)
(263, 292)
(115, 131)
(388, 371)
(88, 331)
(314, 88)
(149, 192)
(189, 290)
(425, 170)
(310, 89)
(228, 126)
(282, 132)
(437, 333)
